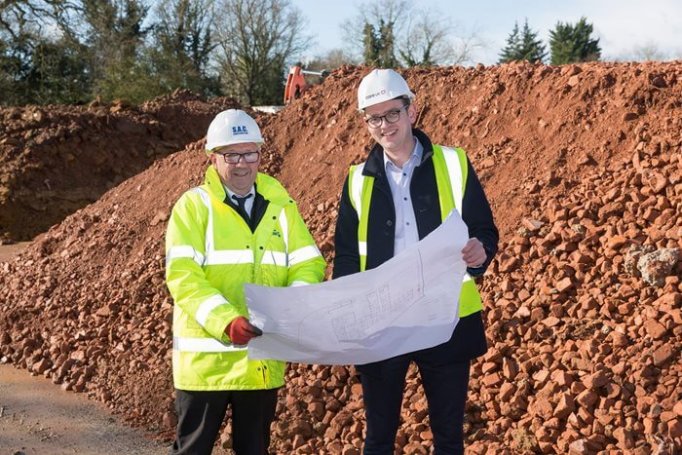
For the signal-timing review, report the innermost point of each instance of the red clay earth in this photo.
(57, 159)
(583, 167)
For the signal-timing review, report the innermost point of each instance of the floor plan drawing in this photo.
(355, 319)
(408, 303)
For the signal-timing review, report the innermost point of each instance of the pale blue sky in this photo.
(621, 25)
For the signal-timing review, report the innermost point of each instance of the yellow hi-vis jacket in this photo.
(210, 254)
(450, 166)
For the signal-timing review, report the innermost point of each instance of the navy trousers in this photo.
(200, 415)
(445, 377)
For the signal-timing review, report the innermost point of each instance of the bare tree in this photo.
(257, 39)
(16, 15)
(648, 52)
(29, 49)
(333, 59)
(422, 37)
(464, 48)
(426, 42)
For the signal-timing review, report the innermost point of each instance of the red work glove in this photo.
(241, 331)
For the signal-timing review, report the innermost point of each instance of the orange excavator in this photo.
(297, 84)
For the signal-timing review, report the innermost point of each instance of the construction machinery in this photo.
(297, 84)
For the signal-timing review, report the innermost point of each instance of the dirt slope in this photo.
(526, 127)
(57, 159)
(582, 165)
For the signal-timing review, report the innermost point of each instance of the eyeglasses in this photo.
(233, 158)
(389, 117)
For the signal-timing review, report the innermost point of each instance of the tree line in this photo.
(74, 51)
(568, 43)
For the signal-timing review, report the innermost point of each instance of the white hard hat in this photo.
(232, 126)
(382, 85)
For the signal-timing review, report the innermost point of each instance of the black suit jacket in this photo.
(469, 338)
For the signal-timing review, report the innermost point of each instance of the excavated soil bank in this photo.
(57, 159)
(583, 167)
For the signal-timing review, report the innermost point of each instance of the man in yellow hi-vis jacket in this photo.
(239, 227)
(404, 191)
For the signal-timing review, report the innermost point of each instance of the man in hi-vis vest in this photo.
(404, 190)
(239, 227)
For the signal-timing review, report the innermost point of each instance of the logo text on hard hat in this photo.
(372, 95)
(239, 130)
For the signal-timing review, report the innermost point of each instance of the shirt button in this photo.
(408, 223)
(389, 223)
(404, 199)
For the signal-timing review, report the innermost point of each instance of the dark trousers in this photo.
(445, 383)
(200, 415)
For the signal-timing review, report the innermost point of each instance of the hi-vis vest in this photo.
(210, 254)
(450, 166)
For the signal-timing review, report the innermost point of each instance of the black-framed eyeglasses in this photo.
(391, 116)
(233, 158)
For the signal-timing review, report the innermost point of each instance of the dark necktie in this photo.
(241, 201)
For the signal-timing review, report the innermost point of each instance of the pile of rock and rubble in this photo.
(57, 159)
(583, 167)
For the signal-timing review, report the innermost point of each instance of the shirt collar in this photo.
(416, 156)
(232, 193)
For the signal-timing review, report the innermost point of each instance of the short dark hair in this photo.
(406, 99)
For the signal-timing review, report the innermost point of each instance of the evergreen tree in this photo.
(510, 51)
(115, 39)
(15, 66)
(523, 46)
(573, 43)
(379, 45)
(26, 65)
(181, 46)
(370, 52)
(59, 73)
(405, 34)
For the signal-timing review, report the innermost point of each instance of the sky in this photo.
(621, 25)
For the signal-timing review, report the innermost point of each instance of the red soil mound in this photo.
(583, 165)
(57, 159)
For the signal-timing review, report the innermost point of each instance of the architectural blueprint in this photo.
(406, 304)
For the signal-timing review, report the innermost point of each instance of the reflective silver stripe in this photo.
(295, 284)
(207, 306)
(455, 172)
(467, 277)
(284, 226)
(355, 193)
(203, 345)
(303, 254)
(274, 258)
(362, 246)
(184, 251)
(223, 257)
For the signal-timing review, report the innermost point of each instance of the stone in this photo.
(587, 399)
(655, 329)
(565, 406)
(663, 354)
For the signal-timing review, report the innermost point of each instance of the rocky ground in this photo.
(583, 167)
